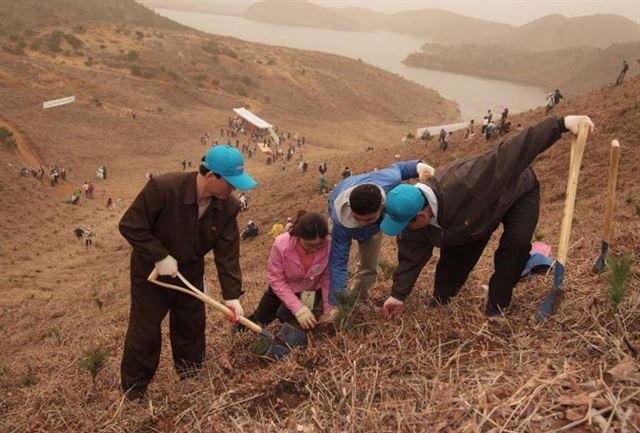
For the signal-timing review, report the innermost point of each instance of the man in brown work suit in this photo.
(173, 222)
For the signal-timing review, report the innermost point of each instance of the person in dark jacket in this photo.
(460, 207)
(173, 222)
(623, 72)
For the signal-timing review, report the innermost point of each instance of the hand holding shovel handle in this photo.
(196, 293)
(555, 295)
(607, 234)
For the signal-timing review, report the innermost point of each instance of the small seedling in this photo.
(99, 302)
(388, 269)
(54, 333)
(94, 361)
(3, 369)
(29, 378)
(620, 267)
(346, 304)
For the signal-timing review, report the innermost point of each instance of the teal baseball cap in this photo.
(402, 205)
(227, 162)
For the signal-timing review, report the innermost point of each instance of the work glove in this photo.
(573, 122)
(392, 307)
(235, 306)
(329, 316)
(305, 318)
(167, 266)
(424, 171)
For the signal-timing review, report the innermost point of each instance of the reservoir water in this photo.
(385, 50)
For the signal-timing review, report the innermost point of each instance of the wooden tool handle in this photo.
(577, 150)
(196, 293)
(611, 191)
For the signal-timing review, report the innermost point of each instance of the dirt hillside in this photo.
(445, 370)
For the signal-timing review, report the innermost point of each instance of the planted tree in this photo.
(94, 361)
(619, 276)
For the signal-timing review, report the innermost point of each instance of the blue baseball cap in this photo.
(402, 205)
(227, 162)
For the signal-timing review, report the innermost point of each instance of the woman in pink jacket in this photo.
(298, 274)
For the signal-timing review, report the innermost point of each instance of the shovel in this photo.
(601, 263)
(556, 293)
(279, 345)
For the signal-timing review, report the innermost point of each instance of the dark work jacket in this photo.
(163, 219)
(473, 196)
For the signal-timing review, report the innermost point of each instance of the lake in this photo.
(385, 50)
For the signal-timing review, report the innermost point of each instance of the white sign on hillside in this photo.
(58, 102)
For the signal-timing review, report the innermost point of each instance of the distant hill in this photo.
(575, 70)
(554, 32)
(220, 7)
(18, 15)
(439, 26)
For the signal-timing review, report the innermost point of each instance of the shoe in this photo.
(134, 394)
(494, 311)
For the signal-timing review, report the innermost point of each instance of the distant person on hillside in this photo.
(288, 225)
(625, 68)
(490, 131)
(504, 116)
(346, 172)
(442, 138)
(298, 275)
(88, 237)
(459, 209)
(110, 204)
(470, 132)
(78, 232)
(249, 231)
(550, 103)
(324, 181)
(322, 168)
(244, 202)
(172, 224)
(557, 96)
(444, 144)
(356, 207)
(276, 229)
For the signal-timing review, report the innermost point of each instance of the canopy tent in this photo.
(252, 118)
(257, 122)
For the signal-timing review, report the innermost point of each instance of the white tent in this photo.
(252, 118)
(257, 122)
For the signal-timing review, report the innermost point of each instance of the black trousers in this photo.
(149, 306)
(455, 263)
(271, 307)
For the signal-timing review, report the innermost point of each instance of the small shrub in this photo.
(99, 302)
(638, 210)
(54, 333)
(89, 61)
(6, 137)
(303, 72)
(96, 101)
(14, 38)
(53, 41)
(35, 45)
(3, 369)
(160, 110)
(271, 62)
(216, 82)
(29, 378)
(426, 135)
(15, 50)
(410, 136)
(132, 56)
(618, 279)
(80, 29)
(103, 47)
(73, 41)
(139, 35)
(94, 361)
(136, 71)
(201, 77)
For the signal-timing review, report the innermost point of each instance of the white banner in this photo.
(58, 102)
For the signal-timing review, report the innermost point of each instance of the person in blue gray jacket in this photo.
(356, 208)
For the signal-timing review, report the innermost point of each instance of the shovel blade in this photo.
(276, 352)
(292, 336)
(601, 263)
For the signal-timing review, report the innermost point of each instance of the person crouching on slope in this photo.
(298, 274)
(356, 207)
(460, 207)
